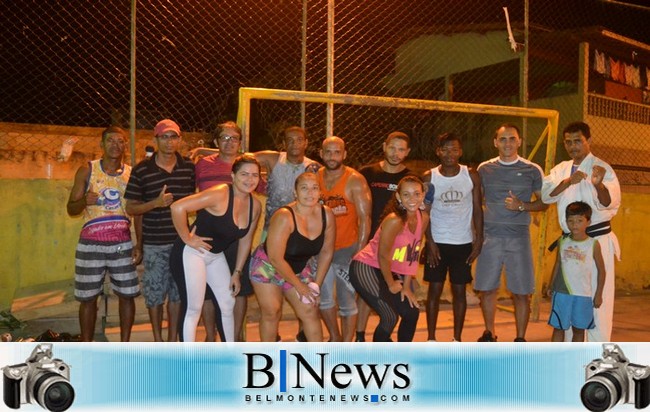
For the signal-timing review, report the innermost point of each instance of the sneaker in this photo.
(301, 337)
(432, 340)
(360, 337)
(487, 337)
(454, 340)
(520, 340)
(278, 338)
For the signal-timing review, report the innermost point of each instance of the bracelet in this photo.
(236, 272)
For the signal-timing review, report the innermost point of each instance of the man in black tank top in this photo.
(382, 178)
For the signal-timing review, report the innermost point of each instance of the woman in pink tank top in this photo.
(383, 271)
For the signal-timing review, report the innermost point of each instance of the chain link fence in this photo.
(65, 69)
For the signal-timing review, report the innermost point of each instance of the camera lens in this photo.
(53, 392)
(59, 396)
(601, 392)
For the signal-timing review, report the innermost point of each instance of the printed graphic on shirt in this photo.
(391, 187)
(336, 203)
(110, 199)
(408, 253)
(451, 197)
(574, 253)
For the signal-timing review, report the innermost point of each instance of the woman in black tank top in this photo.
(293, 261)
(225, 214)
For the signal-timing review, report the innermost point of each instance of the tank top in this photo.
(107, 221)
(578, 267)
(347, 225)
(299, 247)
(451, 210)
(405, 252)
(222, 229)
(280, 187)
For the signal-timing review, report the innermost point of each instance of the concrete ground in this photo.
(52, 307)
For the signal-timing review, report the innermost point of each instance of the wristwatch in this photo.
(521, 207)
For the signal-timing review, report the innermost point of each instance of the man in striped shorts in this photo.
(105, 240)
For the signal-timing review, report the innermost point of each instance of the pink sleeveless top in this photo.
(405, 253)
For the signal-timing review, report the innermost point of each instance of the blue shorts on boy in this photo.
(571, 311)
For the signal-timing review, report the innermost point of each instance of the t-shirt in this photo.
(145, 184)
(382, 186)
(211, 171)
(523, 178)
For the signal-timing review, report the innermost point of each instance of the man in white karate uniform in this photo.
(588, 179)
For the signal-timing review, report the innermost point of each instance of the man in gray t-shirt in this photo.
(509, 183)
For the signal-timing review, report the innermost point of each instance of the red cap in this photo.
(166, 125)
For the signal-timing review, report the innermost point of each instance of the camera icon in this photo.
(613, 380)
(41, 379)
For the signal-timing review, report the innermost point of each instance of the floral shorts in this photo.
(263, 272)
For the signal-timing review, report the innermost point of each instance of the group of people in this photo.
(337, 242)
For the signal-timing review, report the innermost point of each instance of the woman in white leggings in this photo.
(225, 214)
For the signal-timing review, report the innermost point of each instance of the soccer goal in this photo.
(364, 121)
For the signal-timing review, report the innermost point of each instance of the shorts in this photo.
(515, 255)
(338, 277)
(94, 259)
(571, 311)
(157, 282)
(453, 259)
(262, 271)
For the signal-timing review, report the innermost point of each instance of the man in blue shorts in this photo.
(509, 183)
(105, 240)
(154, 184)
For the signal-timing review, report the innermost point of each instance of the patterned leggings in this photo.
(372, 287)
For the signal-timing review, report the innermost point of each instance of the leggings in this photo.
(198, 271)
(371, 286)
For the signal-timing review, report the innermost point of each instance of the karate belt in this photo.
(596, 230)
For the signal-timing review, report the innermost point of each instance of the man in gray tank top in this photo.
(509, 183)
(283, 168)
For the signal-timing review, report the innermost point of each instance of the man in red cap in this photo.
(154, 184)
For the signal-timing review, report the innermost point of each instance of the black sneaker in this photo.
(360, 337)
(301, 337)
(487, 337)
(520, 340)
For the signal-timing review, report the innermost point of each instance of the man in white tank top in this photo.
(456, 231)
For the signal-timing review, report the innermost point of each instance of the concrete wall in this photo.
(38, 239)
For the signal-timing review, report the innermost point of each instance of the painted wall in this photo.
(38, 238)
(630, 225)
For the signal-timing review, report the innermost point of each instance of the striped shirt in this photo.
(523, 178)
(146, 183)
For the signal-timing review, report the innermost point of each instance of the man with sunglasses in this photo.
(154, 184)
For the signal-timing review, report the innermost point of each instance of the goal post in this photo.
(548, 135)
